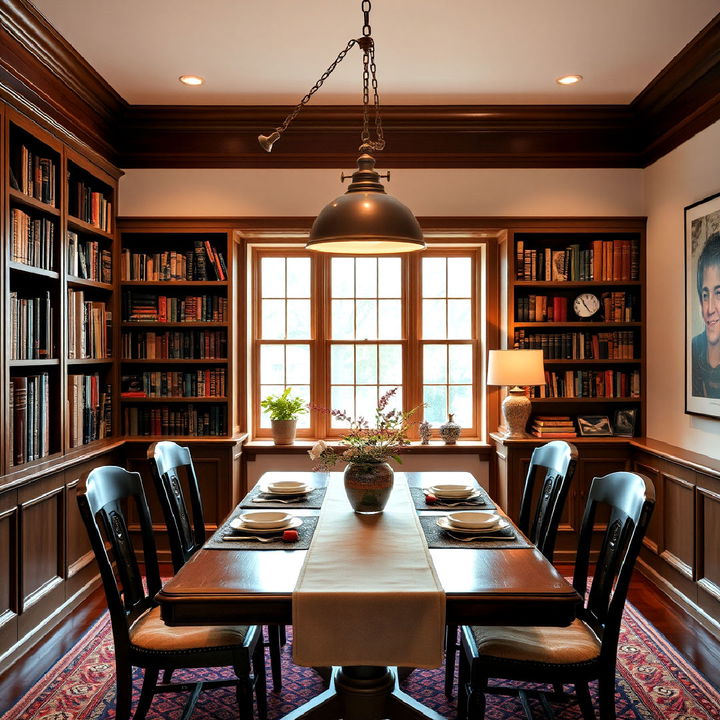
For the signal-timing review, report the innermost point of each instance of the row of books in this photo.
(204, 422)
(87, 259)
(89, 327)
(589, 383)
(553, 426)
(91, 207)
(194, 383)
(614, 345)
(29, 401)
(617, 260)
(617, 306)
(31, 325)
(33, 175)
(174, 344)
(32, 240)
(202, 262)
(147, 307)
(90, 409)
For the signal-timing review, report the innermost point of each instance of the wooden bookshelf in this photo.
(594, 361)
(169, 269)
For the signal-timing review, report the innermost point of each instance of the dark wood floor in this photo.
(688, 636)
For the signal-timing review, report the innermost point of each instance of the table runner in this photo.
(368, 593)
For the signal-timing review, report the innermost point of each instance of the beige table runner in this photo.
(368, 593)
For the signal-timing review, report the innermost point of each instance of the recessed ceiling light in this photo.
(191, 80)
(569, 79)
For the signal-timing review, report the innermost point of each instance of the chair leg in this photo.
(275, 647)
(583, 697)
(451, 648)
(167, 676)
(476, 703)
(258, 664)
(123, 696)
(463, 679)
(146, 694)
(244, 699)
(283, 636)
(606, 695)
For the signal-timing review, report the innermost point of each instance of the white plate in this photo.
(297, 490)
(237, 524)
(455, 498)
(446, 525)
(473, 520)
(269, 519)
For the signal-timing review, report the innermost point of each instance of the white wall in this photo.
(684, 176)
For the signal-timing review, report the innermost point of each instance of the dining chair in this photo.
(586, 649)
(140, 636)
(169, 462)
(541, 507)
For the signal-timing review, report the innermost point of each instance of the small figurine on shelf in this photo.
(450, 431)
(425, 431)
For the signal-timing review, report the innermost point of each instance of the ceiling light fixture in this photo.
(365, 220)
(569, 79)
(193, 80)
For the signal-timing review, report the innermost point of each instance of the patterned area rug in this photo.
(653, 683)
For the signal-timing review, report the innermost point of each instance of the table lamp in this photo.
(515, 369)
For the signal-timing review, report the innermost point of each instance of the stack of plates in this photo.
(472, 523)
(454, 491)
(265, 522)
(286, 487)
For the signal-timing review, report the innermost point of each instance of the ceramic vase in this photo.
(450, 431)
(368, 486)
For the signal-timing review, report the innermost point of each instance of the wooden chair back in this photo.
(630, 499)
(540, 523)
(169, 462)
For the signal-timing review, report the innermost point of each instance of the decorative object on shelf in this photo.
(594, 425)
(425, 430)
(450, 431)
(624, 422)
(368, 478)
(283, 411)
(515, 369)
(586, 305)
(365, 219)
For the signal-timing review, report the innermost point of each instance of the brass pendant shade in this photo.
(366, 220)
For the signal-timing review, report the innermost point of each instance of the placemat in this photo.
(437, 538)
(481, 501)
(313, 499)
(305, 533)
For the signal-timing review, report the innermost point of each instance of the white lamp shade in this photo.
(516, 367)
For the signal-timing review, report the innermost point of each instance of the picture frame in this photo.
(624, 422)
(594, 425)
(702, 307)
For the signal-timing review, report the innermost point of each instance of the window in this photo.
(343, 330)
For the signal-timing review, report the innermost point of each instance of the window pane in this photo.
(366, 277)
(273, 277)
(459, 319)
(395, 402)
(303, 391)
(297, 359)
(435, 399)
(366, 371)
(298, 277)
(461, 369)
(459, 277)
(272, 364)
(273, 319)
(298, 319)
(390, 320)
(433, 277)
(433, 321)
(389, 277)
(390, 365)
(435, 364)
(341, 365)
(365, 402)
(342, 271)
(461, 404)
(342, 398)
(266, 390)
(343, 320)
(366, 322)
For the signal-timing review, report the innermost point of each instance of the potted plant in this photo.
(283, 411)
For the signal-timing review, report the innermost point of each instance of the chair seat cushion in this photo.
(576, 643)
(151, 633)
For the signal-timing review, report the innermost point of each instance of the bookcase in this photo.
(576, 291)
(58, 227)
(175, 334)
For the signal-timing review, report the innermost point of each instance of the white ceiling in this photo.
(428, 51)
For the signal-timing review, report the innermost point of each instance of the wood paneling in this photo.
(708, 546)
(9, 606)
(652, 536)
(677, 516)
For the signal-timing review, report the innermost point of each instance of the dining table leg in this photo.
(361, 692)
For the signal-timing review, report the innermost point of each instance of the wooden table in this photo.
(483, 587)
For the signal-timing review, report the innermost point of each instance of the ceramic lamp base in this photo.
(516, 411)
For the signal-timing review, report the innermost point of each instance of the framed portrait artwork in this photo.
(702, 307)
(594, 425)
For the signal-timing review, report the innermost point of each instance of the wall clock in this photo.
(586, 305)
